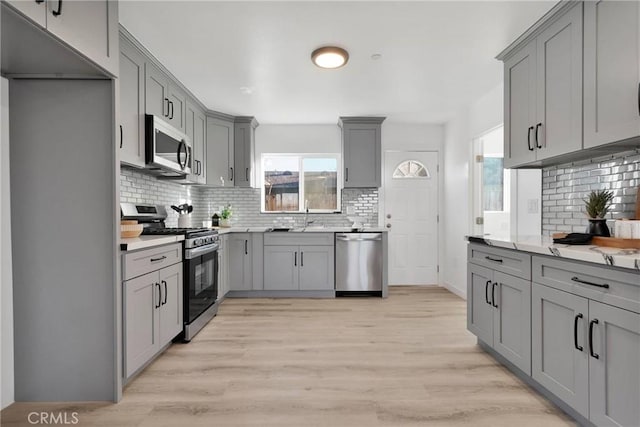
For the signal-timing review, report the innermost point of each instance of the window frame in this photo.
(301, 157)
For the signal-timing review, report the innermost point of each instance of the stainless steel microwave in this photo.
(168, 151)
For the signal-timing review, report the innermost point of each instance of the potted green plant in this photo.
(225, 216)
(597, 205)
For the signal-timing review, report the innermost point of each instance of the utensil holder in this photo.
(184, 221)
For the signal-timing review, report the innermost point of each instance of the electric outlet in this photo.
(351, 210)
(532, 206)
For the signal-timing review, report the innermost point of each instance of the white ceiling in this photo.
(437, 56)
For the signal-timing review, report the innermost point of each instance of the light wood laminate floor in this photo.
(404, 361)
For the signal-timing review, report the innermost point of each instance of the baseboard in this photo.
(459, 292)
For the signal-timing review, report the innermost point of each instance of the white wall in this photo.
(480, 116)
(6, 289)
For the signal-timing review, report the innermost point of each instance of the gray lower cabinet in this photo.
(220, 170)
(611, 71)
(304, 268)
(153, 314)
(614, 375)
(240, 262)
(498, 312)
(560, 350)
(131, 102)
(223, 266)
(362, 151)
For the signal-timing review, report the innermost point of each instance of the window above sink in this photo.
(294, 182)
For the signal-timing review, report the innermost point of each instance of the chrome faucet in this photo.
(306, 214)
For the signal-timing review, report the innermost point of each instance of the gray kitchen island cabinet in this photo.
(219, 150)
(243, 151)
(498, 312)
(131, 102)
(611, 71)
(543, 93)
(89, 27)
(362, 151)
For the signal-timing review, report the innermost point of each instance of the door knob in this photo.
(388, 225)
(388, 216)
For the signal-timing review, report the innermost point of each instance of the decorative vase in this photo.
(598, 227)
(225, 222)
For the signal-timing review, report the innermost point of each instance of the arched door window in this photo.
(411, 169)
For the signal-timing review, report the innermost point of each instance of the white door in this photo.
(411, 216)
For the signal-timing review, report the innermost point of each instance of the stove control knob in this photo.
(197, 242)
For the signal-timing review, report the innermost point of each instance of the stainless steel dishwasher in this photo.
(358, 263)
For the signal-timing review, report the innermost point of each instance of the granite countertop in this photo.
(310, 229)
(143, 242)
(624, 258)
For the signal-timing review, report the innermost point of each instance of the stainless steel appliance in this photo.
(358, 264)
(168, 151)
(200, 265)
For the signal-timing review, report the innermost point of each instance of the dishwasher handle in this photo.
(358, 237)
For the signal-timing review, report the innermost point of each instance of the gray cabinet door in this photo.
(142, 339)
(362, 155)
(243, 154)
(615, 375)
(177, 107)
(90, 27)
(240, 263)
(195, 128)
(316, 268)
(131, 96)
(520, 107)
(559, 86)
(171, 303)
(479, 308)
(219, 151)
(559, 359)
(611, 71)
(156, 92)
(36, 12)
(281, 268)
(512, 320)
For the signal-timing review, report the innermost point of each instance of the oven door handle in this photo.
(202, 250)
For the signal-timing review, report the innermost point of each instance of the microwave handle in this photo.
(186, 154)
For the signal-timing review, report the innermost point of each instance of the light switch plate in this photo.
(351, 210)
(532, 206)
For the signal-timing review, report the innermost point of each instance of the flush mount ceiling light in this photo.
(330, 57)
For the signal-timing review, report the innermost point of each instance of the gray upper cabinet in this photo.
(196, 128)
(362, 151)
(611, 71)
(156, 92)
(244, 148)
(560, 346)
(177, 107)
(220, 170)
(614, 375)
(89, 27)
(131, 101)
(543, 93)
(558, 127)
(520, 107)
(240, 262)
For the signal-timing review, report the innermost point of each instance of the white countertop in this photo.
(310, 229)
(143, 242)
(624, 258)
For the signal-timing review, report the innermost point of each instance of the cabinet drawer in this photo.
(141, 262)
(511, 262)
(622, 288)
(316, 239)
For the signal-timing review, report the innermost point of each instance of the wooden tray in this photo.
(613, 242)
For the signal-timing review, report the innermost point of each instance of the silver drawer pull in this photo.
(158, 259)
(584, 282)
(493, 259)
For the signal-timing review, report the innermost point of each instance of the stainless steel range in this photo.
(200, 264)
